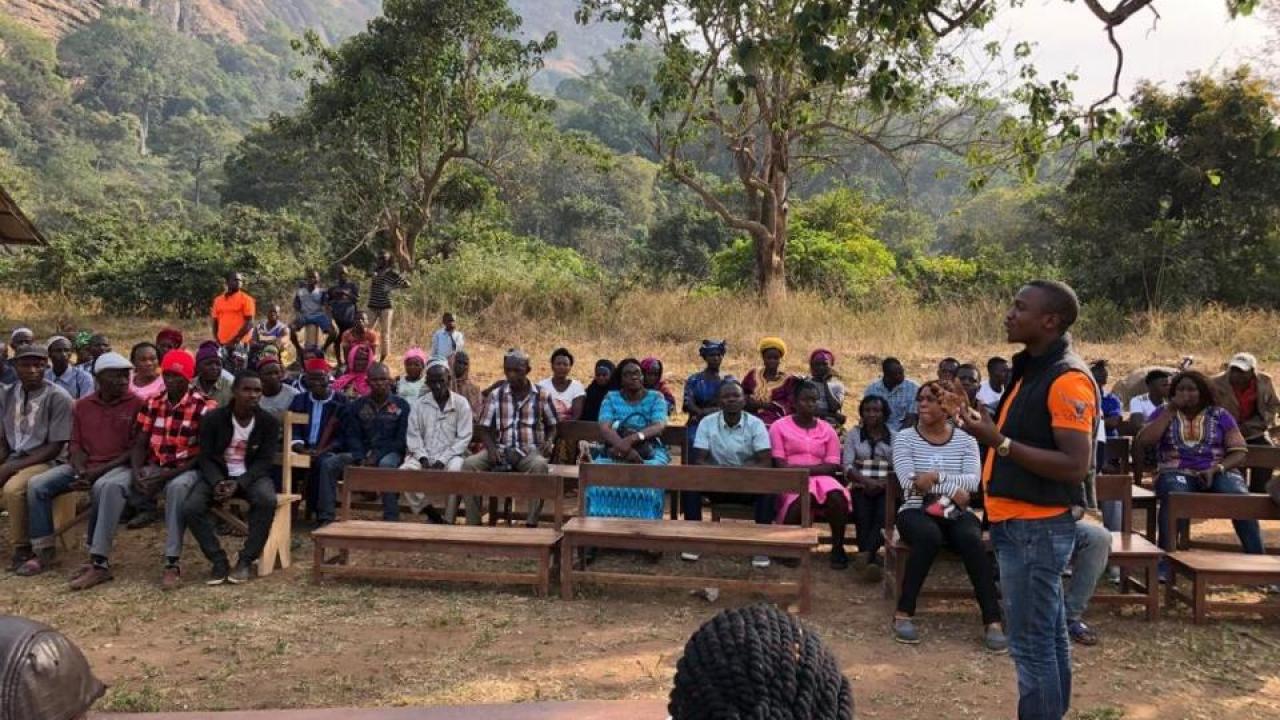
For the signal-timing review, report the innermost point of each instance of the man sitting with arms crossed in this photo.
(36, 428)
(440, 426)
(238, 449)
(518, 429)
(323, 408)
(102, 437)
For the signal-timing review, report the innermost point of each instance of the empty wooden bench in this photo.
(1130, 551)
(382, 536)
(1218, 567)
(783, 541)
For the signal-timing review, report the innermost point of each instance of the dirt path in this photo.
(282, 642)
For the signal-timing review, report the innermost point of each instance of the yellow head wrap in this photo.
(773, 343)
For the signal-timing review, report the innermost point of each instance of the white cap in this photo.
(1244, 361)
(111, 361)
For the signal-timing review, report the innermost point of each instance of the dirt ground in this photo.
(284, 642)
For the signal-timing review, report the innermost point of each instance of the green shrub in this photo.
(847, 267)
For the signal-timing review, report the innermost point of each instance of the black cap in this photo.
(43, 675)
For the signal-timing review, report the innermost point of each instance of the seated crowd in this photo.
(198, 429)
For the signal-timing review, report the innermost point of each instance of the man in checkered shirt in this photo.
(164, 458)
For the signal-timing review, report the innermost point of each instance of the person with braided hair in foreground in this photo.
(758, 662)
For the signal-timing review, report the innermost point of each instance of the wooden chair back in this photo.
(1118, 450)
(441, 482)
(703, 478)
(1117, 488)
(1193, 506)
(288, 458)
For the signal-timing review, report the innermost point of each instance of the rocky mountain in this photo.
(234, 20)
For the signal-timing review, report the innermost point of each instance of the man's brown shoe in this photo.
(95, 575)
(172, 578)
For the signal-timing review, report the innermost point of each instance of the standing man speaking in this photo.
(1038, 452)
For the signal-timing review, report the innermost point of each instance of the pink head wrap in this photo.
(416, 353)
(823, 352)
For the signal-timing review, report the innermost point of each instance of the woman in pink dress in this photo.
(802, 440)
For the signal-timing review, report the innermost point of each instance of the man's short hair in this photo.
(448, 317)
(1155, 375)
(380, 367)
(245, 375)
(888, 363)
(969, 366)
(1062, 301)
(996, 360)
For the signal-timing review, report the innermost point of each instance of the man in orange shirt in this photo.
(1039, 450)
(233, 311)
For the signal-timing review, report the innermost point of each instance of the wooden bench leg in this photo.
(806, 583)
(544, 573)
(278, 540)
(318, 562)
(566, 569)
(1153, 590)
(1199, 597)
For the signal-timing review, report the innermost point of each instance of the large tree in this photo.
(776, 84)
(395, 106)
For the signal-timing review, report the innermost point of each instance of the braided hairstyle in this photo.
(758, 663)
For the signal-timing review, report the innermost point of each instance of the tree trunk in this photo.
(403, 249)
(771, 247)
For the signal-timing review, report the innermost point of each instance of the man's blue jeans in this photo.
(1033, 555)
(1229, 483)
(326, 486)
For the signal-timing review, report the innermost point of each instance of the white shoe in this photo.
(760, 561)
(689, 557)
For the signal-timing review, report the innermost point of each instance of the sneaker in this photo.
(219, 573)
(95, 575)
(994, 640)
(242, 573)
(839, 559)
(172, 578)
(1081, 634)
(760, 561)
(689, 557)
(904, 631)
(142, 519)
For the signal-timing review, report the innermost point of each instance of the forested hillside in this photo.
(509, 152)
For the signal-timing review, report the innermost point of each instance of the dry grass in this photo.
(670, 325)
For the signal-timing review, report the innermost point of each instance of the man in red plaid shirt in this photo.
(164, 458)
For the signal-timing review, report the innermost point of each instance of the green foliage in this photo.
(845, 266)
(1181, 208)
(680, 245)
(495, 267)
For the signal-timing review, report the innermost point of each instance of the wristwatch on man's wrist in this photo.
(1004, 447)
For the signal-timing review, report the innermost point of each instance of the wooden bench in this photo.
(349, 534)
(1130, 551)
(1214, 567)
(700, 537)
(278, 550)
(896, 552)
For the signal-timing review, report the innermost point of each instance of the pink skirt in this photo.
(819, 487)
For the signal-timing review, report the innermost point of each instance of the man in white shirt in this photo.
(1157, 393)
(447, 340)
(997, 375)
(440, 425)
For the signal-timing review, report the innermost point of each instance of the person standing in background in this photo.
(231, 318)
(447, 340)
(385, 281)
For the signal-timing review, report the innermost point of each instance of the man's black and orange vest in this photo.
(1029, 422)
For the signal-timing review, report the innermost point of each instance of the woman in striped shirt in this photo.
(937, 468)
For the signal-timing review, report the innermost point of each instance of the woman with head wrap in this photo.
(354, 381)
(411, 384)
(605, 379)
(702, 389)
(762, 382)
(758, 662)
(168, 339)
(652, 368)
(830, 389)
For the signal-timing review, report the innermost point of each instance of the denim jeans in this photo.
(1033, 555)
(42, 491)
(1229, 482)
(1093, 549)
(325, 488)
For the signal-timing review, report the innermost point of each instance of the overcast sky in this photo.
(1190, 35)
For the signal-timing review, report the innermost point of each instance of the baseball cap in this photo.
(1244, 361)
(111, 361)
(31, 350)
(179, 362)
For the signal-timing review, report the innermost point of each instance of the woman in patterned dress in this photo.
(631, 421)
